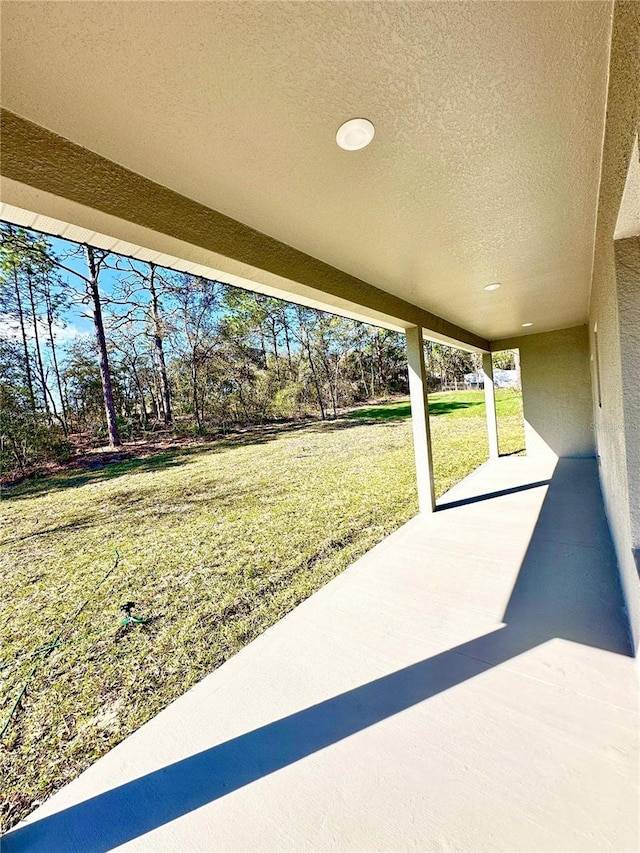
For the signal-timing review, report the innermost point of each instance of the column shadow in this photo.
(474, 499)
(567, 587)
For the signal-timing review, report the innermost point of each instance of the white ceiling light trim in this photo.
(493, 286)
(355, 134)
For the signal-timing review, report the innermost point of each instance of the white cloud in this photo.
(62, 333)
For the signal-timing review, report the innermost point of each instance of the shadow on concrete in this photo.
(567, 587)
(490, 495)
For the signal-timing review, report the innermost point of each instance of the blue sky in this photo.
(76, 316)
(77, 320)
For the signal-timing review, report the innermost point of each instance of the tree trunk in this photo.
(245, 408)
(263, 346)
(154, 402)
(68, 409)
(194, 388)
(274, 338)
(43, 381)
(362, 376)
(324, 356)
(18, 453)
(203, 411)
(380, 365)
(143, 404)
(158, 346)
(288, 342)
(315, 381)
(56, 369)
(105, 373)
(330, 383)
(27, 361)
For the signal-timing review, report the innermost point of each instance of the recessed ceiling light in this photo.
(492, 286)
(524, 325)
(355, 134)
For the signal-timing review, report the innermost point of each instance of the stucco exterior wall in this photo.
(627, 258)
(556, 392)
(606, 367)
(615, 315)
(615, 323)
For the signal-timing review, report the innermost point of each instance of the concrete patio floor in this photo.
(466, 685)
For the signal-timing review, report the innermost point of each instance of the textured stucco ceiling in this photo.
(489, 122)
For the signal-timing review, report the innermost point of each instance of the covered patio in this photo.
(467, 685)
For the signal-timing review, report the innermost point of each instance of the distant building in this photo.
(501, 379)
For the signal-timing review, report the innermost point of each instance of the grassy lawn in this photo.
(216, 542)
(459, 438)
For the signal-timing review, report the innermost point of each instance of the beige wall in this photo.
(556, 391)
(615, 317)
(615, 314)
(627, 257)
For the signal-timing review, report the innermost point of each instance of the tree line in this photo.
(170, 351)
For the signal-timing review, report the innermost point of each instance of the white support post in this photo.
(420, 419)
(490, 404)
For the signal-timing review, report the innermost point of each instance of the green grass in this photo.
(458, 431)
(216, 542)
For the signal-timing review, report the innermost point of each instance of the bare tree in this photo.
(140, 293)
(197, 299)
(305, 317)
(10, 265)
(40, 252)
(95, 258)
(50, 304)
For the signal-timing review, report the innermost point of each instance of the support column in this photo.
(420, 419)
(490, 404)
